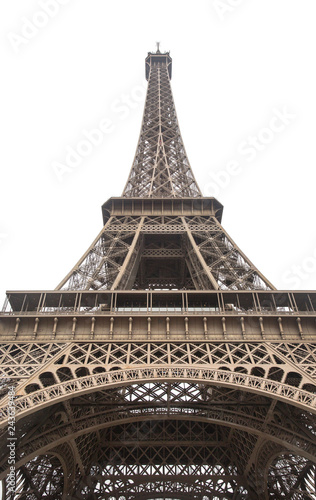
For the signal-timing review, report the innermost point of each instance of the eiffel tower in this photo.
(165, 365)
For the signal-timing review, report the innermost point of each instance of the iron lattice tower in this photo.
(164, 365)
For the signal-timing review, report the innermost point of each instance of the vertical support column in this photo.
(5, 305)
(128, 262)
(168, 328)
(205, 328)
(209, 280)
(130, 328)
(300, 329)
(35, 328)
(262, 328)
(111, 328)
(224, 327)
(186, 327)
(73, 331)
(54, 328)
(92, 327)
(281, 328)
(243, 329)
(16, 329)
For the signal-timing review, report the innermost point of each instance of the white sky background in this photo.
(228, 77)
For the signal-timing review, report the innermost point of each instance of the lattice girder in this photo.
(90, 414)
(101, 264)
(204, 256)
(161, 167)
(291, 477)
(270, 361)
(189, 399)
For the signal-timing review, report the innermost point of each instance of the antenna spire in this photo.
(158, 47)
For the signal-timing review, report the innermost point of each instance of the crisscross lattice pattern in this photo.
(217, 401)
(161, 167)
(164, 252)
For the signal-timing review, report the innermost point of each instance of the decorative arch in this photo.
(30, 403)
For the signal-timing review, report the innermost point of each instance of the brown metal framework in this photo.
(161, 167)
(165, 365)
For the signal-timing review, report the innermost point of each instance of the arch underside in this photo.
(166, 440)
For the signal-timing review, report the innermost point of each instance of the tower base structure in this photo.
(160, 394)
